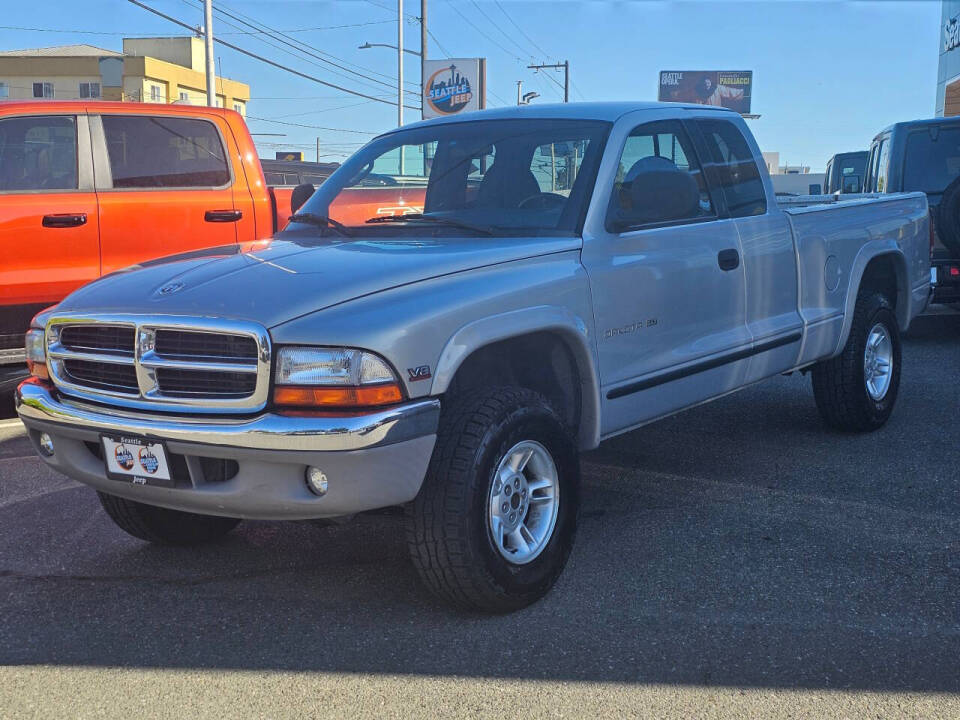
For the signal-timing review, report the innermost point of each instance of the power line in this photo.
(302, 47)
(323, 110)
(522, 31)
(475, 27)
(140, 34)
(285, 50)
(268, 61)
(497, 26)
(314, 127)
(351, 74)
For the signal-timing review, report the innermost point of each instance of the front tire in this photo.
(495, 519)
(856, 390)
(163, 526)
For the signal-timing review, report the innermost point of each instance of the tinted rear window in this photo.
(150, 152)
(38, 153)
(931, 164)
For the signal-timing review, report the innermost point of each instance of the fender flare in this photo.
(869, 252)
(571, 329)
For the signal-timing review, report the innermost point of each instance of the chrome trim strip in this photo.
(41, 408)
(146, 362)
(150, 359)
(59, 352)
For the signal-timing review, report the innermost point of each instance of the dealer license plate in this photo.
(137, 460)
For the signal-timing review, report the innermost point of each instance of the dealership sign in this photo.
(951, 32)
(721, 88)
(453, 86)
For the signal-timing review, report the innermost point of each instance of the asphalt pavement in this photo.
(735, 560)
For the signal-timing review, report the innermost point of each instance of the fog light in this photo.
(316, 481)
(46, 444)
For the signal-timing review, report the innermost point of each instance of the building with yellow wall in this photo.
(161, 70)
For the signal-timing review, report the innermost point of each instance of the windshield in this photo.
(933, 160)
(499, 177)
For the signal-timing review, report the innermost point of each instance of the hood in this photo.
(285, 279)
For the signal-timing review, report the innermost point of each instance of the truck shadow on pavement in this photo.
(737, 544)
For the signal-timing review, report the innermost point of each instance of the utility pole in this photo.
(519, 92)
(423, 46)
(318, 149)
(400, 77)
(208, 39)
(400, 64)
(566, 75)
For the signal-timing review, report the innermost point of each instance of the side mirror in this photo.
(301, 193)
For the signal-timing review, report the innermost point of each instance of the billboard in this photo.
(454, 85)
(722, 88)
(290, 155)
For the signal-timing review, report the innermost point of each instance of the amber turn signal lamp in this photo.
(337, 397)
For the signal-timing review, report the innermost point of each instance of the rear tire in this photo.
(856, 390)
(948, 217)
(487, 441)
(163, 526)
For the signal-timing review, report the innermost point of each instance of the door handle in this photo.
(222, 215)
(65, 220)
(728, 259)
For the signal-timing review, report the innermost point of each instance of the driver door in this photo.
(666, 277)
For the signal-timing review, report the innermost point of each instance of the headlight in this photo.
(333, 378)
(35, 345)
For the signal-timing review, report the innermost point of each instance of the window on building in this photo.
(732, 168)
(164, 152)
(38, 153)
(184, 97)
(237, 107)
(156, 93)
(219, 102)
(90, 90)
(4, 91)
(43, 90)
(658, 180)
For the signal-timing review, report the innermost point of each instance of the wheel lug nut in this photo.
(513, 517)
(524, 493)
(505, 507)
(516, 483)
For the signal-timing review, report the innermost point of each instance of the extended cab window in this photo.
(732, 168)
(148, 152)
(38, 153)
(658, 180)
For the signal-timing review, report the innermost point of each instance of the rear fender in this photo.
(874, 249)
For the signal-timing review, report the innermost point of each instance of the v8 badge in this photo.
(419, 373)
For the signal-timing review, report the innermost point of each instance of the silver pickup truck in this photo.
(517, 286)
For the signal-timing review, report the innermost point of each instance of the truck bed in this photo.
(833, 240)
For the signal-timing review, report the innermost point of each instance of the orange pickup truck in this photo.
(90, 187)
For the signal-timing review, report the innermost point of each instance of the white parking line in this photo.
(10, 423)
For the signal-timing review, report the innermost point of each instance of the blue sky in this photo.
(827, 76)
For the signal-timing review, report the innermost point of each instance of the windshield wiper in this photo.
(309, 218)
(420, 217)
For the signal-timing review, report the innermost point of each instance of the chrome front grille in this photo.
(185, 344)
(101, 375)
(99, 338)
(161, 363)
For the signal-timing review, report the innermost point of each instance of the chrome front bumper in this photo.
(371, 460)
